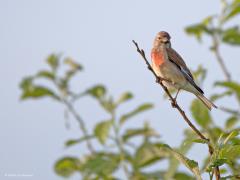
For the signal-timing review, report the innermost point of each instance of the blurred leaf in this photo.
(46, 74)
(219, 162)
(231, 122)
(234, 10)
(97, 91)
(200, 113)
(53, 61)
(74, 65)
(231, 135)
(196, 29)
(74, 68)
(183, 176)
(233, 86)
(215, 133)
(206, 21)
(108, 104)
(149, 153)
(67, 166)
(231, 36)
(146, 132)
(174, 163)
(26, 83)
(38, 92)
(101, 164)
(200, 74)
(215, 97)
(72, 142)
(230, 152)
(124, 97)
(190, 164)
(139, 109)
(155, 175)
(201, 141)
(102, 130)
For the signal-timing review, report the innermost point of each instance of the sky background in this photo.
(98, 35)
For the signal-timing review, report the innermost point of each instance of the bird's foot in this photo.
(174, 102)
(158, 80)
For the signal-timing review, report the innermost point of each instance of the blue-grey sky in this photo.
(97, 34)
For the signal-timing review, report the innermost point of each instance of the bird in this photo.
(170, 66)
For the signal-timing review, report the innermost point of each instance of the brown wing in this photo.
(177, 59)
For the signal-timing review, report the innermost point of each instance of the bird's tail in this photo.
(206, 101)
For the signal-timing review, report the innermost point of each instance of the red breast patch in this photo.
(157, 58)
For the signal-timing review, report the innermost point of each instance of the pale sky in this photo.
(98, 35)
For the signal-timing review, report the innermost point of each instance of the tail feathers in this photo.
(206, 102)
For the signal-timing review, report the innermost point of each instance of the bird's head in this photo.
(162, 38)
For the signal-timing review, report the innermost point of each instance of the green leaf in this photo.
(53, 61)
(183, 176)
(231, 135)
(46, 74)
(26, 83)
(107, 104)
(201, 141)
(74, 65)
(139, 109)
(148, 154)
(38, 92)
(154, 175)
(72, 142)
(97, 91)
(200, 113)
(102, 130)
(230, 123)
(200, 74)
(124, 97)
(233, 86)
(196, 29)
(234, 9)
(67, 166)
(174, 163)
(230, 152)
(219, 162)
(74, 68)
(231, 36)
(190, 164)
(101, 164)
(146, 132)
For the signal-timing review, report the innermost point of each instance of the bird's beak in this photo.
(166, 40)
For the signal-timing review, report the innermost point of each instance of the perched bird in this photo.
(168, 64)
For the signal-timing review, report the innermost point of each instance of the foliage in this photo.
(132, 151)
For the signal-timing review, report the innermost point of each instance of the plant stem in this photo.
(120, 145)
(81, 123)
(219, 58)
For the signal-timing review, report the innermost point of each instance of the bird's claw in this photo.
(158, 80)
(174, 102)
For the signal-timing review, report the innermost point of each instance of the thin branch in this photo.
(219, 58)
(174, 103)
(120, 145)
(81, 123)
(230, 111)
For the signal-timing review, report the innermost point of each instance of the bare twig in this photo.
(175, 105)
